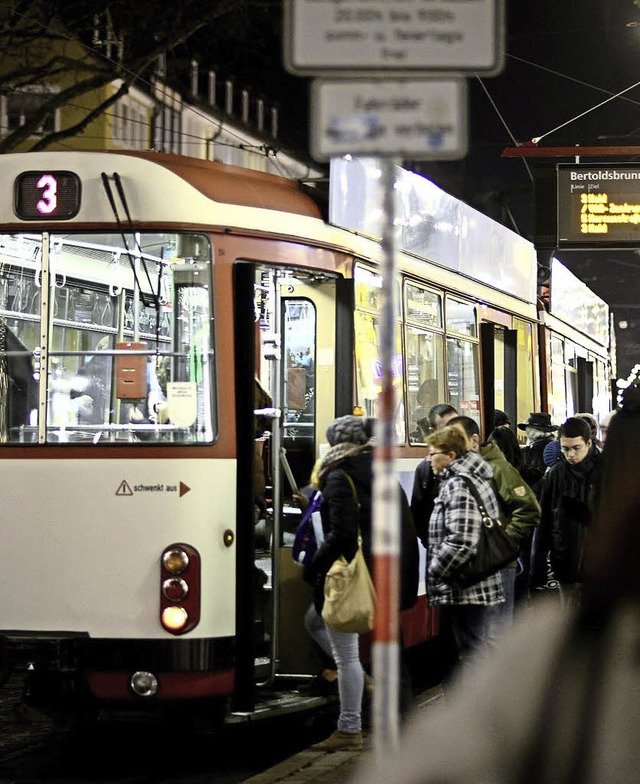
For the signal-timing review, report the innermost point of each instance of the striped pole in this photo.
(386, 523)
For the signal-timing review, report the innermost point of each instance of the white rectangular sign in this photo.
(355, 37)
(420, 118)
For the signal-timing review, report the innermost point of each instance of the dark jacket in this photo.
(566, 502)
(342, 514)
(423, 496)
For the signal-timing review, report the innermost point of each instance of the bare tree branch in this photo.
(39, 46)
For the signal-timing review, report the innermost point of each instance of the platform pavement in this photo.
(320, 767)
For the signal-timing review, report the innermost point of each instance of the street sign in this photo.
(423, 119)
(399, 37)
(598, 205)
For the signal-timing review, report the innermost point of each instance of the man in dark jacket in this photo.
(518, 505)
(566, 509)
(425, 482)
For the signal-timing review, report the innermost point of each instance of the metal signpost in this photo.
(387, 108)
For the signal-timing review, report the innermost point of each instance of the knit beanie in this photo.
(349, 429)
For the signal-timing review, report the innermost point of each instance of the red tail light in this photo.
(180, 568)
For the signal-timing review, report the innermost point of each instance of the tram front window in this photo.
(125, 338)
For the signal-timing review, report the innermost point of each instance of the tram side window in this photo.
(564, 379)
(369, 370)
(525, 356)
(425, 378)
(571, 373)
(558, 395)
(463, 377)
(461, 318)
(462, 358)
(300, 386)
(368, 294)
(424, 348)
(127, 336)
(602, 392)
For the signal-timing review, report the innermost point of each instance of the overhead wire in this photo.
(504, 122)
(612, 96)
(568, 78)
(537, 139)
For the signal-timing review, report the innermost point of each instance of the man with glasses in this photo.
(566, 509)
(425, 481)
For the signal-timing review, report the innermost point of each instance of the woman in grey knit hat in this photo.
(349, 429)
(344, 475)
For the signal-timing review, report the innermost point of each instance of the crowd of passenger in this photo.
(554, 699)
(536, 702)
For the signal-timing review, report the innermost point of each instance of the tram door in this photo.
(510, 375)
(499, 373)
(296, 366)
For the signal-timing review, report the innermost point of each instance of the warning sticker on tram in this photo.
(125, 489)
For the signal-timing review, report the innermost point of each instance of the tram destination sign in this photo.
(399, 37)
(598, 206)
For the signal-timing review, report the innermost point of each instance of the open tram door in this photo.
(509, 371)
(286, 326)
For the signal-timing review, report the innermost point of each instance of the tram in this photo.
(145, 299)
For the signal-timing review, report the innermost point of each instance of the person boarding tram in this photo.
(345, 477)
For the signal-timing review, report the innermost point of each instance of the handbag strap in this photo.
(474, 492)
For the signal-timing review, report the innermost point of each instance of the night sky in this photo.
(563, 59)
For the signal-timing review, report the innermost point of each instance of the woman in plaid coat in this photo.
(454, 530)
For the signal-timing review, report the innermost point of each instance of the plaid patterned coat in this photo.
(454, 529)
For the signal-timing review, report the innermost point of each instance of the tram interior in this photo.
(120, 347)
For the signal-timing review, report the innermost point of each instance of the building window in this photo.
(167, 129)
(22, 106)
(130, 126)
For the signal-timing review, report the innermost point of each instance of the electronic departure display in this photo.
(47, 195)
(598, 206)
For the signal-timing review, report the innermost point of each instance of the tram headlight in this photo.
(180, 579)
(174, 618)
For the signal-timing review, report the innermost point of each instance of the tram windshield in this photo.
(106, 338)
